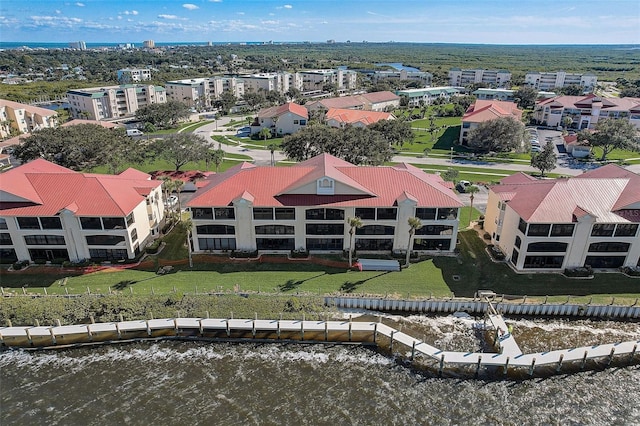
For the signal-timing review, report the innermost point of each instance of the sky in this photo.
(425, 21)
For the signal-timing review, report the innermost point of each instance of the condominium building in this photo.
(316, 80)
(104, 103)
(149, 44)
(17, 118)
(133, 75)
(422, 77)
(587, 220)
(505, 94)
(49, 213)
(276, 209)
(585, 111)
(78, 45)
(374, 101)
(338, 117)
(280, 82)
(281, 120)
(553, 80)
(203, 92)
(492, 78)
(481, 111)
(427, 95)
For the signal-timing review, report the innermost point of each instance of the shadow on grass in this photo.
(351, 286)
(123, 284)
(292, 285)
(448, 138)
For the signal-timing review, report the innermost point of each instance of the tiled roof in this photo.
(277, 111)
(352, 116)
(602, 193)
(485, 110)
(285, 186)
(607, 104)
(357, 101)
(41, 188)
(33, 109)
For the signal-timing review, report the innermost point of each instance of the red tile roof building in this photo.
(375, 101)
(49, 212)
(485, 110)
(585, 111)
(307, 206)
(591, 219)
(21, 118)
(285, 119)
(337, 117)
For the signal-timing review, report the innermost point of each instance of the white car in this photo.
(171, 201)
(535, 148)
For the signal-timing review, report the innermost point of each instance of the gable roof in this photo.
(485, 110)
(281, 186)
(31, 108)
(352, 116)
(356, 101)
(588, 101)
(277, 111)
(41, 188)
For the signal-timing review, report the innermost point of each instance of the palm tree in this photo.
(217, 157)
(414, 224)
(265, 133)
(471, 190)
(354, 222)
(272, 147)
(188, 224)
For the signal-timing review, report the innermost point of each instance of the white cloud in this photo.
(271, 22)
(58, 12)
(164, 16)
(80, 4)
(215, 1)
(119, 17)
(134, 12)
(190, 6)
(240, 13)
(288, 6)
(130, 12)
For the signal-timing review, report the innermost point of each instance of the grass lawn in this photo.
(477, 175)
(184, 127)
(617, 155)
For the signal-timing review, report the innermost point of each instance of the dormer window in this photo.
(325, 186)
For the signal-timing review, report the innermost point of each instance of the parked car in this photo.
(134, 132)
(462, 185)
(535, 148)
(171, 201)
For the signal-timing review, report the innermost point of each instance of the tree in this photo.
(566, 122)
(272, 148)
(610, 134)
(354, 223)
(414, 224)
(265, 133)
(396, 132)
(180, 148)
(254, 99)
(471, 189)
(526, 97)
(81, 147)
(544, 160)
(502, 134)
(450, 175)
(571, 90)
(226, 101)
(188, 226)
(163, 116)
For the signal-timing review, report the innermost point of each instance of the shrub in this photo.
(581, 272)
(40, 261)
(487, 236)
(633, 271)
(299, 254)
(243, 254)
(495, 252)
(154, 246)
(58, 261)
(20, 264)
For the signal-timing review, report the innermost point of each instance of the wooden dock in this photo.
(508, 356)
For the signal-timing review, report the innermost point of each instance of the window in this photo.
(296, 121)
(275, 230)
(225, 213)
(374, 244)
(325, 243)
(562, 230)
(538, 230)
(48, 254)
(435, 230)
(7, 255)
(108, 254)
(547, 247)
(104, 240)
(130, 220)
(3, 223)
(447, 214)
(613, 247)
(466, 125)
(602, 230)
(134, 234)
(43, 240)
(626, 230)
(514, 257)
(324, 214)
(216, 229)
(375, 230)
(522, 226)
(325, 228)
(389, 213)
(303, 122)
(285, 214)
(431, 244)
(90, 223)
(518, 241)
(334, 214)
(605, 261)
(202, 213)
(262, 213)
(5, 239)
(425, 213)
(217, 243)
(367, 213)
(114, 222)
(275, 243)
(28, 223)
(543, 262)
(51, 222)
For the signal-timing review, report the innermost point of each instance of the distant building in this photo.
(492, 78)
(105, 103)
(280, 82)
(17, 118)
(337, 117)
(424, 78)
(48, 213)
(133, 75)
(504, 94)
(553, 80)
(316, 80)
(285, 119)
(481, 111)
(149, 44)
(548, 225)
(374, 101)
(204, 91)
(78, 45)
(427, 95)
(585, 111)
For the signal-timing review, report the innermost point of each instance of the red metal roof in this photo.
(281, 186)
(277, 111)
(47, 188)
(351, 116)
(485, 110)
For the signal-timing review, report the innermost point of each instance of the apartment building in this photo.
(105, 103)
(553, 80)
(422, 77)
(587, 220)
(505, 94)
(279, 82)
(427, 95)
(281, 120)
(49, 213)
(481, 111)
(133, 75)
(585, 111)
(374, 101)
(17, 118)
(203, 92)
(338, 117)
(277, 209)
(492, 78)
(315, 80)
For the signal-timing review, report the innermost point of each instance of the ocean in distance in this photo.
(184, 383)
